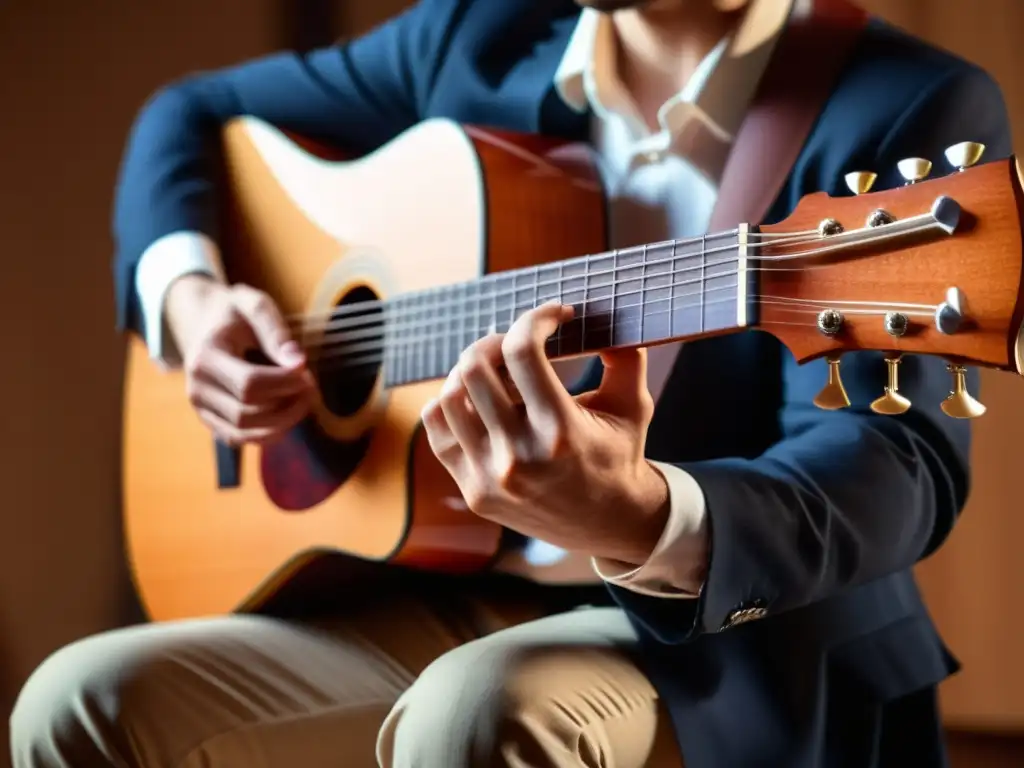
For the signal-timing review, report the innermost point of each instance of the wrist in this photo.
(184, 302)
(648, 499)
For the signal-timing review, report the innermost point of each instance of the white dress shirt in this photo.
(661, 185)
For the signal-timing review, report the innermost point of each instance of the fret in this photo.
(528, 289)
(536, 286)
(523, 289)
(438, 336)
(387, 345)
(628, 296)
(408, 351)
(401, 323)
(718, 280)
(474, 321)
(487, 290)
(550, 286)
(586, 303)
(703, 267)
(504, 314)
(427, 336)
(446, 309)
(419, 343)
(643, 296)
(434, 331)
(660, 291)
(462, 309)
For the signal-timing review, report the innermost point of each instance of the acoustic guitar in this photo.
(389, 265)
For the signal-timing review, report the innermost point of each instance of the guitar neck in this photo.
(640, 296)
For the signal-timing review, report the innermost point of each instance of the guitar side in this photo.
(439, 205)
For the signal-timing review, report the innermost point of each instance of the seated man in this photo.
(733, 499)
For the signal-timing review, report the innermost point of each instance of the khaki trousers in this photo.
(413, 679)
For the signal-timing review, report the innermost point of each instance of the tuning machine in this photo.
(914, 169)
(961, 404)
(860, 182)
(833, 395)
(965, 154)
(892, 403)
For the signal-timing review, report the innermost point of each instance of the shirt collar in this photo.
(719, 91)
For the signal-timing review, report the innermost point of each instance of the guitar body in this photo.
(441, 204)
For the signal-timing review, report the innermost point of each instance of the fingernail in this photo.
(293, 352)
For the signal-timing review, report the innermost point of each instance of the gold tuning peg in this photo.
(860, 182)
(892, 403)
(960, 404)
(833, 395)
(965, 154)
(914, 169)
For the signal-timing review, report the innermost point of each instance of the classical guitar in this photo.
(389, 265)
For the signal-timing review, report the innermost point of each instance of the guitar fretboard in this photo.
(631, 296)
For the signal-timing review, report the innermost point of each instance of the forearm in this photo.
(355, 96)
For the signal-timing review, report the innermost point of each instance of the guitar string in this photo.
(356, 340)
(640, 250)
(411, 316)
(336, 362)
(391, 307)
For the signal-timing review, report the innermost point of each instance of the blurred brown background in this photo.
(72, 75)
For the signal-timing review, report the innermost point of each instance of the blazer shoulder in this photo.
(894, 66)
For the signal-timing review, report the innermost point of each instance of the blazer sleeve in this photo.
(358, 94)
(845, 497)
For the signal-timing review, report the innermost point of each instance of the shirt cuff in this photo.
(172, 256)
(678, 564)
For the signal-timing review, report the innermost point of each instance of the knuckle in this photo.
(194, 394)
(236, 416)
(471, 361)
(508, 472)
(262, 304)
(193, 367)
(452, 395)
(233, 438)
(516, 346)
(429, 414)
(242, 292)
(476, 496)
(247, 389)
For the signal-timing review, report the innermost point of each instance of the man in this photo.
(759, 506)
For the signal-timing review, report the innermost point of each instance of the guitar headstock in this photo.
(934, 267)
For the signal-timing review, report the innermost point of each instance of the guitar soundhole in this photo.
(351, 357)
(307, 466)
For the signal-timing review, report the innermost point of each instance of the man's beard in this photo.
(607, 6)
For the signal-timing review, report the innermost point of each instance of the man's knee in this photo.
(492, 703)
(69, 711)
(106, 699)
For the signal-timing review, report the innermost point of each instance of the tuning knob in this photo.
(860, 182)
(965, 154)
(892, 403)
(960, 404)
(914, 169)
(833, 395)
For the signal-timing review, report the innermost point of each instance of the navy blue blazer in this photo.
(816, 517)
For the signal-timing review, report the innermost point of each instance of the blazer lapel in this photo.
(799, 78)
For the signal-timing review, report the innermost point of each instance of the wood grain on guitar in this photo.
(390, 264)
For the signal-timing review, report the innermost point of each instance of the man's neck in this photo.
(662, 43)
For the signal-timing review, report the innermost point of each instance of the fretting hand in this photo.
(215, 327)
(567, 470)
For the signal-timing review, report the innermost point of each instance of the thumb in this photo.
(623, 388)
(271, 331)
